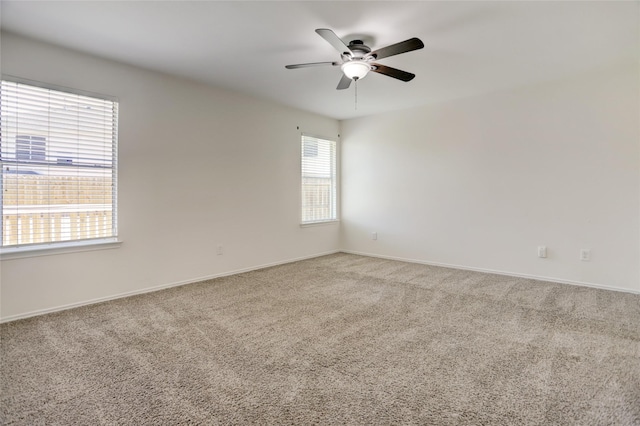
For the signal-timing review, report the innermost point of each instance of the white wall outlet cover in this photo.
(542, 251)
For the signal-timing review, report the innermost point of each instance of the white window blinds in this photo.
(319, 180)
(58, 157)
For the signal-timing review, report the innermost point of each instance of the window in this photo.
(30, 148)
(319, 180)
(309, 147)
(58, 156)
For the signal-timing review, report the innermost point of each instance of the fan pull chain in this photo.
(356, 81)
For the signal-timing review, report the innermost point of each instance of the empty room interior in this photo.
(320, 212)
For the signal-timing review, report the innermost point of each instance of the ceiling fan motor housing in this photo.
(359, 49)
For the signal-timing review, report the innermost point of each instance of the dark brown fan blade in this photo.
(398, 48)
(345, 82)
(311, 64)
(392, 72)
(334, 40)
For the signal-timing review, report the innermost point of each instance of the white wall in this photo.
(477, 183)
(481, 182)
(198, 167)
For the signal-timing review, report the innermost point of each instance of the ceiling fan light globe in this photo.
(356, 70)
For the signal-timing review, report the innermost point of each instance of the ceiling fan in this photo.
(358, 59)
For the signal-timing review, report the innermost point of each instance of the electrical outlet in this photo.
(585, 255)
(542, 251)
(219, 250)
(374, 235)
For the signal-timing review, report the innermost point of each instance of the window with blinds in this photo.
(319, 180)
(58, 155)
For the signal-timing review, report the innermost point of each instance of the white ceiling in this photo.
(470, 47)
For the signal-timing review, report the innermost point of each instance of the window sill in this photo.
(323, 222)
(37, 250)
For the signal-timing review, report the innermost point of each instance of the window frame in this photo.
(76, 245)
(336, 179)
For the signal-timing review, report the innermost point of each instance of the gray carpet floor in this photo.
(340, 339)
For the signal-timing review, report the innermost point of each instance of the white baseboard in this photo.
(155, 288)
(282, 262)
(491, 271)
